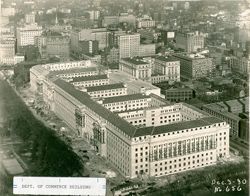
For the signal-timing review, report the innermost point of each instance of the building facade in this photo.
(26, 35)
(219, 112)
(54, 46)
(108, 90)
(30, 18)
(128, 45)
(190, 42)
(147, 49)
(179, 94)
(7, 48)
(136, 68)
(167, 66)
(89, 47)
(86, 81)
(126, 102)
(194, 142)
(145, 22)
(195, 66)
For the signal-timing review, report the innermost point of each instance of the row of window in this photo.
(80, 74)
(92, 81)
(127, 107)
(106, 95)
(127, 102)
(133, 115)
(170, 116)
(183, 159)
(88, 85)
(109, 91)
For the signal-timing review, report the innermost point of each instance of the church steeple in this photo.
(56, 21)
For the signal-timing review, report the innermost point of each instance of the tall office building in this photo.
(128, 45)
(7, 51)
(89, 47)
(26, 35)
(99, 34)
(190, 42)
(54, 45)
(195, 66)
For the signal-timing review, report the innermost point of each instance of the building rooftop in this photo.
(133, 83)
(176, 126)
(166, 58)
(190, 56)
(178, 89)
(125, 98)
(75, 70)
(220, 109)
(135, 61)
(159, 98)
(122, 124)
(85, 99)
(89, 78)
(105, 87)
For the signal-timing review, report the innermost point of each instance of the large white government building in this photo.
(139, 133)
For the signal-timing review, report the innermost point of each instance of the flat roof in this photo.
(125, 98)
(176, 126)
(105, 87)
(85, 99)
(216, 108)
(120, 76)
(166, 102)
(166, 58)
(74, 70)
(190, 57)
(88, 78)
(135, 61)
(122, 124)
(194, 108)
(178, 89)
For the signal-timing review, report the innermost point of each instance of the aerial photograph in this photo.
(124, 97)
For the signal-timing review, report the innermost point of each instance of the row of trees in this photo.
(50, 156)
(201, 180)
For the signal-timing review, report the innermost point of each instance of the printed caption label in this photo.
(59, 186)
